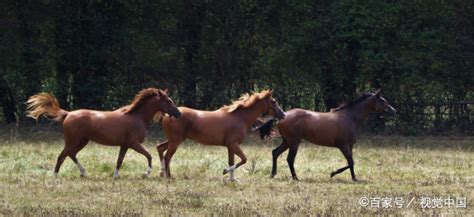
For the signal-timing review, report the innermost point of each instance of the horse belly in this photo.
(107, 138)
(324, 136)
(110, 133)
(206, 138)
(320, 141)
(207, 129)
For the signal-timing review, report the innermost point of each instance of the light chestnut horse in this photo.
(336, 128)
(227, 126)
(125, 127)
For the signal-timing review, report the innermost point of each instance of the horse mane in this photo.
(140, 99)
(246, 101)
(350, 104)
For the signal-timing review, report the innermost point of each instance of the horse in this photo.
(227, 126)
(125, 127)
(336, 128)
(258, 128)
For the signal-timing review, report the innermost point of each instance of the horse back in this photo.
(112, 128)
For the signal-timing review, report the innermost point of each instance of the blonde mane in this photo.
(140, 98)
(246, 101)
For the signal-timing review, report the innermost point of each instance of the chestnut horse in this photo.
(125, 127)
(227, 126)
(336, 128)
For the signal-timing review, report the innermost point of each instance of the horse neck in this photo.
(249, 115)
(359, 112)
(147, 111)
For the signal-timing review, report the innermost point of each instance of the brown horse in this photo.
(227, 126)
(259, 128)
(125, 127)
(336, 128)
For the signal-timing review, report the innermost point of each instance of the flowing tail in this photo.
(265, 128)
(47, 105)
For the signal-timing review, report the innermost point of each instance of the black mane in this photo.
(355, 102)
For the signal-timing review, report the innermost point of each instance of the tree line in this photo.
(315, 54)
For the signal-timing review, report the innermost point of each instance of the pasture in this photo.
(403, 167)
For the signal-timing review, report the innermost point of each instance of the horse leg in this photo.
(161, 148)
(243, 159)
(68, 149)
(60, 161)
(275, 154)
(167, 159)
(70, 143)
(140, 149)
(291, 159)
(123, 151)
(231, 162)
(74, 158)
(347, 152)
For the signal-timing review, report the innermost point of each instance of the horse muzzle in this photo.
(175, 113)
(281, 115)
(392, 111)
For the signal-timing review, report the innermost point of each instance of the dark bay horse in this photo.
(259, 128)
(125, 127)
(227, 126)
(336, 128)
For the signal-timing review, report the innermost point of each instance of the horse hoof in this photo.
(333, 174)
(225, 172)
(272, 176)
(295, 178)
(355, 180)
(83, 175)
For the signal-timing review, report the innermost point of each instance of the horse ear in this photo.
(160, 94)
(377, 92)
(166, 90)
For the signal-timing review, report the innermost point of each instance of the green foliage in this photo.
(315, 54)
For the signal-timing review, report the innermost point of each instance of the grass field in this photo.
(388, 167)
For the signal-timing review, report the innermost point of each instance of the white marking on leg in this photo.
(81, 168)
(116, 173)
(231, 176)
(147, 172)
(56, 175)
(230, 169)
(163, 168)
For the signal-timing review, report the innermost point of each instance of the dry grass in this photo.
(388, 167)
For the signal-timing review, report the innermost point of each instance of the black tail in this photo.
(265, 128)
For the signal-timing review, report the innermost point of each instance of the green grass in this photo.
(388, 167)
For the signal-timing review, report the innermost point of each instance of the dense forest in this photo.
(315, 54)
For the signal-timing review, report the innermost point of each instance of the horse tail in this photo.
(47, 105)
(265, 128)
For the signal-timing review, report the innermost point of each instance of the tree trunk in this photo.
(8, 102)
